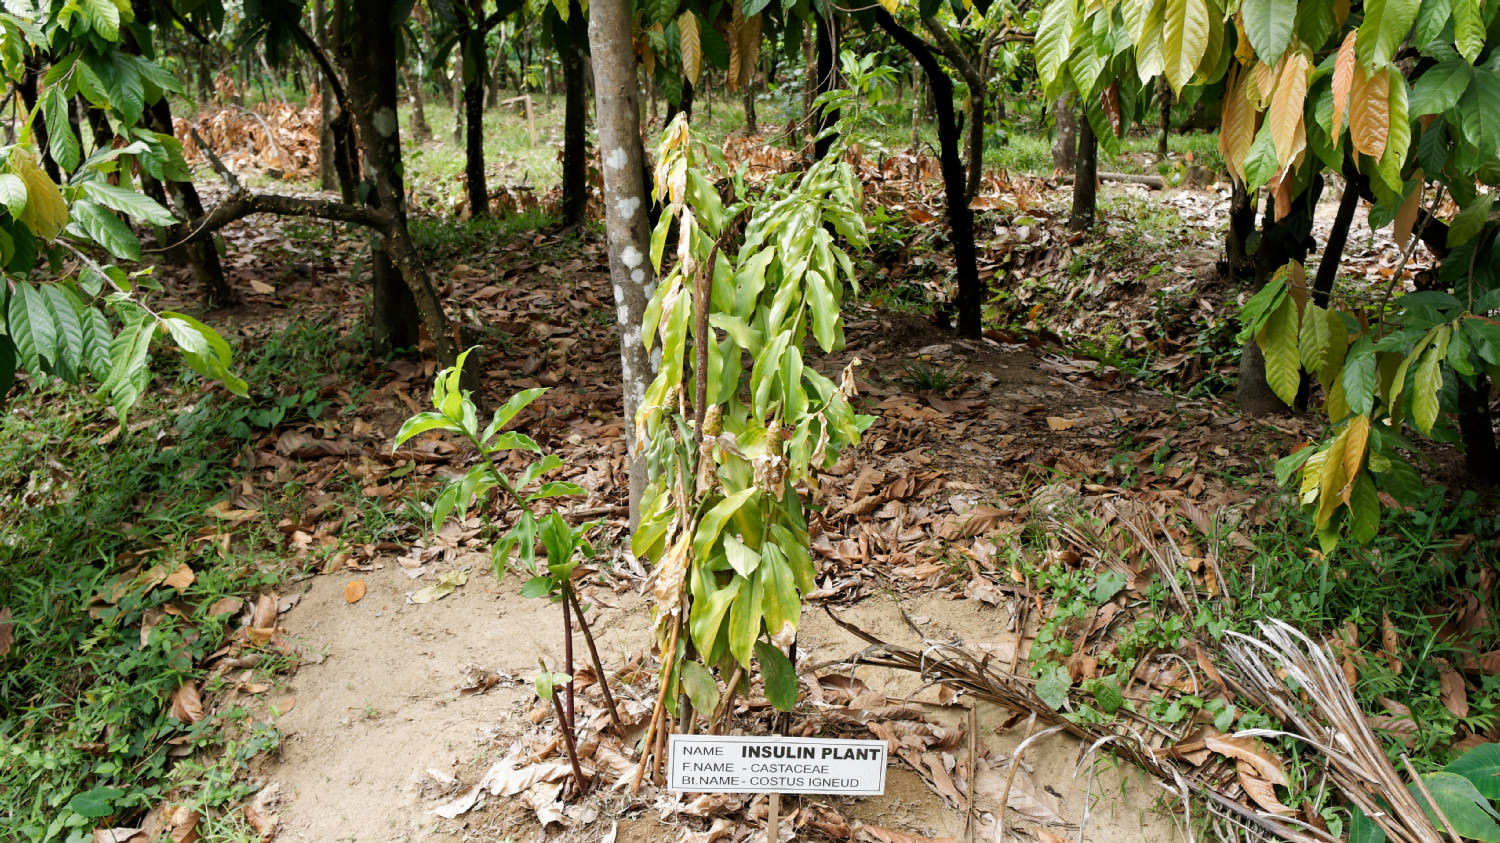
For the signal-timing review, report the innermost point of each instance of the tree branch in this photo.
(321, 58)
(242, 205)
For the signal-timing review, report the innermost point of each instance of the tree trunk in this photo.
(419, 128)
(575, 151)
(1289, 238)
(1481, 458)
(494, 81)
(1164, 93)
(1065, 139)
(403, 295)
(474, 63)
(751, 128)
(809, 80)
(1086, 179)
(828, 77)
(976, 79)
(1239, 263)
(618, 119)
(328, 173)
(960, 218)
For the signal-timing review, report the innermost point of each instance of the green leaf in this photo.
(1255, 312)
(1479, 109)
(707, 616)
(204, 350)
(1053, 684)
(1108, 585)
(1185, 26)
(1278, 340)
(742, 559)
(1054, 41)
(1468, 28)
(1425, 386)
(1269, 25)
(1107, 695)
(421, 423)
(1362, 829)
(95, 803)
(128, 202)
(779, 675)
(1439, 89)
(536, 587)
(700, 687)
(1314, 338)
(128, 354)
(744, 621)
(1470, 220)
(1481, 766)
(1364, 509)
(713, 523)
(779, 604)
(1466, 808)
(13, 194)
(1386, 25)
(1360, 377)
(554, 489)
(61, 141)
(106, 229)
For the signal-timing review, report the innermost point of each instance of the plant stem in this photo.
(568, 655)
(567, 733)
(588, 638)
(659, 712)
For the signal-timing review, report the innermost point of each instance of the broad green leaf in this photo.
(1439, 88)
(1360, 377)
(1425, 386)
(1481, 766)
(1470, 220)
(1278, 341)
(742, 559)
(1268, 23)
(707, 616)
(61, 141)
(204, 350)
(1467, 810)
(1385, 26)
(1362, 829)
(1265, 301)
(1468, 28)
(421, 423)
(744, 621)
(1053, 684)
(780, 605)
(536, 587)
(554, 489)
(1054, 41)
(1314, 338)
(1479, 109)
(1364, 509)
(129, 202)
(13, 193)
(128, 354)
(700, 687)
(714, 520)
(96, 802)
(779, 675)
(106, 229)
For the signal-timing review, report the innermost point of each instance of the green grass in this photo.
(84, 701)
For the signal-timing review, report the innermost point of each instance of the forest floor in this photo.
(397, 707)
(1038, 500)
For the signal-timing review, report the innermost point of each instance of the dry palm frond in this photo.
(1328, 718)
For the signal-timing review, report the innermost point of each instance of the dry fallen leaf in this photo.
(119, 835)
(180, 578)
(226, 606)
(1455, 695)
(7, 631)
(1060, 423)
(1260, 790)
(354, 591)
(1266, 765)
(265, 611)
(182, 823)
(442, 588)
(261, 287)
(1044, 836)
(1391, 641)
(889, 835)
(186, 705)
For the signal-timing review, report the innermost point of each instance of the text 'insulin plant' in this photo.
(732, 448)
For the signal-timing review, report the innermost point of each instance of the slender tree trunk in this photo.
(1065, 139)
(419, 128)
(403, 295)
(575, 152)
(328, 173)
(1240, 264)
(618, 119)
(474, 63)
(1086, 178)
(494, 81)
(456, 104)
(1164, 94)
(810, 80)
(751, 127)
(1481, 458)
(960, 217)
(974, 76)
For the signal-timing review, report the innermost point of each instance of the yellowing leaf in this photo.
(692, 47)
(1343, 78)
(442, 588)
(1286, 111)
(1238, 132)
(45, 212)
(1354, 451)
(1370, 112)
(1184, 38)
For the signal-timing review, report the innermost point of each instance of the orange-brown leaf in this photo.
(1370, 112)
(354, 591)
(1455, 693)
(186, 705)
(1286, 111)
(1343, 77)
(890, 835)
(180, 578)
(265, 610)
(1262, 83)
(1406, 216)
(1390, 641)
(7, 631)
(1248, 750)
(182, 822)
(1259, 790)
(1109, 99)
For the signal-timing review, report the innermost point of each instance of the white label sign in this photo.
(747, 764)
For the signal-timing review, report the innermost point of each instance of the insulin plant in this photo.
(565, 545)
(732, 448)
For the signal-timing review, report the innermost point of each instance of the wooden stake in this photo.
(773, 819)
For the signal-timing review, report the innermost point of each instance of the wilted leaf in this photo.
(1265, 765)
(7, 631)
(445, 586)
(1260, 790)
(354, 591)
(180, 578)
(1455, 695)
(890, 835)
(186, 705)
(265, 611)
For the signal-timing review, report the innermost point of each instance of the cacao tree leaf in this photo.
(1343, 79)
(1364, 509)
(691, 45)
(1286, 113)
(1385, 26)
(1468, 28)
(1268, 23)
(1278, 342)
(136, 205)
(107, 230)
(1054, 41)
(1185, 36)
(1313, 338)
(1479, 109)
(1439, 88)
(1369, 112)
(1425, 386)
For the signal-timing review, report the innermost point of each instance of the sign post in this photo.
(775, 765)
